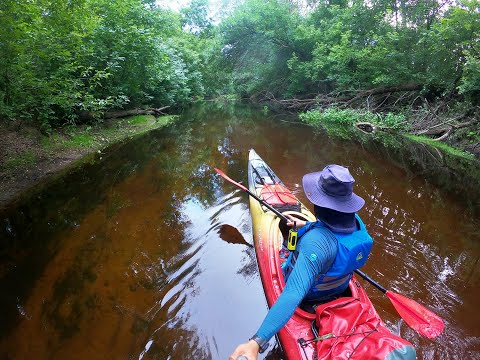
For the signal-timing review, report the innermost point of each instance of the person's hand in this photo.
(249, 350)
(292, 219)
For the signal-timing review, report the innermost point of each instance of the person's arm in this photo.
(296, 288)
(314, 258)
(309, 264)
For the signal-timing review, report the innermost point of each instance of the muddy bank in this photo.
(29, 159)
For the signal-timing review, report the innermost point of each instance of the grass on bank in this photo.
(84, 139)
(100, 136)
(441, 145)
(340, 123)
(349, 117)
(26, 159)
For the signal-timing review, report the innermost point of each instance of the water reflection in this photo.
(231, 235)
(148, 254)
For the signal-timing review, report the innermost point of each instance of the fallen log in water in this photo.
(91, 115)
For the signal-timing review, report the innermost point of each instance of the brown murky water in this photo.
(147, 254)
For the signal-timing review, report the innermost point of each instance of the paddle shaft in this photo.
(263, 202)
(267, 205)
(371, 281)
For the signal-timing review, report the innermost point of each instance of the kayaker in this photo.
(328, 251)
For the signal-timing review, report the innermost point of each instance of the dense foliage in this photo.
(60, 59)
(339, 45)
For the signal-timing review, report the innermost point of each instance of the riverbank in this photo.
(344, 123)
(28, 158)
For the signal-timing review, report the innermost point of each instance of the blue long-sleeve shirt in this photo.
(315, 256)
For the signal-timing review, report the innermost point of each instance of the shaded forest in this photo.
(71, 62)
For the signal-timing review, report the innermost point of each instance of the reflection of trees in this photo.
(249, 267)
(193, 147)
(35, 221)
(453, 174)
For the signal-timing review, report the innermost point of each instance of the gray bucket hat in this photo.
(332, 188)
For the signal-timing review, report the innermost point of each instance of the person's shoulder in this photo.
(360, 222)
(319, 241)
(319, 232)
(320, 227)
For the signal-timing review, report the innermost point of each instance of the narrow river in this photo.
(147, 254)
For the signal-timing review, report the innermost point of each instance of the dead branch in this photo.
(454, 127)
(386, 90)
(446, 127)
(375, 98)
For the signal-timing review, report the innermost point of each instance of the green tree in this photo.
(258, 40)
(196, 18)
(59, 59)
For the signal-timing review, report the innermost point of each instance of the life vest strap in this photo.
(332, 284)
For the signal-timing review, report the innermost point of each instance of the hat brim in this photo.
(317, 196)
